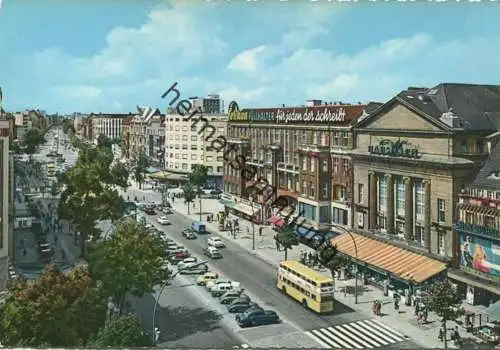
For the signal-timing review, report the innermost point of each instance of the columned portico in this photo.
(427, 215)
(372, 206)
(409, 213)
(390, 204)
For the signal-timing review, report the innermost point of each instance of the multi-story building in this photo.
(187, 145)
(5, 189)
(478, 228)
(302, 152)
(212, 104)
(146, 133)
(109, 125)
(411, 157)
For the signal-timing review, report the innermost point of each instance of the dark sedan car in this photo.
(241, 306)
(150, 211)
(189, 234)
(257, 317)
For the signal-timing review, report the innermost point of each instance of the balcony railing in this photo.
(477, 230)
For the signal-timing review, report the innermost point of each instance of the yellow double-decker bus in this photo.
(309, 287)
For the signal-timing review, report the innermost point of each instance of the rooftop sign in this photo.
(317, 115)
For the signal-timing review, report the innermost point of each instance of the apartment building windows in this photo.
(304, 163)
(308, 210)
(210, 159)
(194, 138)
(184, 166)
(345, 165)
(361, 193)
(184, 137)
(184, 128)
(336, 138)
(177, 137)
(315, 138)
(209, 149)
(325, 165)
(210, 169)
(419, 234)
(419, 198)
(193, 157)
(479, 146)
(177, 146)
(304, 187)
(194, 147)
(382, 193)
(441, 214)
(177, 156)
(220, 169)
(335, 165)
(184, 156)
(464, 146)
(184, 146)
(345, 138)
(220, 158)
(312, 191)
(324, 191)
(339, 193)
(313, 165)
(400, 196)
(193, 128)
(220, 130)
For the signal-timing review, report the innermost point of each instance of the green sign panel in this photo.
(394, 149)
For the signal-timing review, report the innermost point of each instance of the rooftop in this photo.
(488, 177)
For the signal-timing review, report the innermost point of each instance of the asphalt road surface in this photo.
(258, 279)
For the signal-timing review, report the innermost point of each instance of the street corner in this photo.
(277, 336)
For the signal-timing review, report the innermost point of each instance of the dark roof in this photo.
(372, 106)
(489, 176)
(459, 106)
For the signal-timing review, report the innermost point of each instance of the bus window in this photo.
(313, 296)
(326, 298)
(326, 285)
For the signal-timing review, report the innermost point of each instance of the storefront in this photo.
(387, 266)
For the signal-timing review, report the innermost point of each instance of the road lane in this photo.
(258, 277)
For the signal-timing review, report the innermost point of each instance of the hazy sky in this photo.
(109, 56)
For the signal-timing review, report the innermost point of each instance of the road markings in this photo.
(365, 334)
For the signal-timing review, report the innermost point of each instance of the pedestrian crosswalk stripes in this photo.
(365, 334)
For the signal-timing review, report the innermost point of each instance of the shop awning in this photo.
(276, 220)
(151, 170)
(246, 209)
(273, 219)
(399, 262)
(159, 175)
(227, 203)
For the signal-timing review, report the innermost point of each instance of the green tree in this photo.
(189, 194)
(330, 259)
(56, 310)
(444, 300)
(54, 189)
(141, 164)
(130, 262)
(123, 332)
(287, 239)
(89, 192)
(68, 126)
(32, 139)
(198, 177)
(104, 141)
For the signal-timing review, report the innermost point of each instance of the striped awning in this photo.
(479, 209)
(399, 262)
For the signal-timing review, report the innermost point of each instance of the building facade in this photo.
(302, 153)
(187, 145)
(212, 104)
(109, 125)
(5, 205)
(478, 228)
(147, 134)
(411, 157)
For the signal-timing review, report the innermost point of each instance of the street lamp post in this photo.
(356, 257)
(156, 330)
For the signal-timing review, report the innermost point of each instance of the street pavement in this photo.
(300, 326)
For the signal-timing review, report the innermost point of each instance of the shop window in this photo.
(324, 191)
(382, 193)
(400, 196)
(312, 191)
(340, 216)
(419, 198)
(479, 146)
(382, 223)
(336, 138)
(304, 163)
(419, 234)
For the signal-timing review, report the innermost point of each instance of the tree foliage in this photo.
(68, 127)
(329, 258)
(104, 141)
(141, 164)
(198, 176)
(56, 311)
(123, 332)
(32, 139)
(444, 300)
(130, 262)
(189, 192)
(287, 238)
(89, 191)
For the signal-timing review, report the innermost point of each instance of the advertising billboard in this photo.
(479, 256)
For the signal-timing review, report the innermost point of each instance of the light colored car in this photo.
(166, 210)
(188, 261)
(148, 226)
(206, 277)
(163, 220)
(215, 242)
(213, 284)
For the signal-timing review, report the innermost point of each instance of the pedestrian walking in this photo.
(309, 257)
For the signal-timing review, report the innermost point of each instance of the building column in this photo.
(390, 204)
(372, 200)
(427, 213)
(408, 208)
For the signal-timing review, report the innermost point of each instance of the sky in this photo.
(113, 55)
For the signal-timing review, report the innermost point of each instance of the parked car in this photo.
(178, 256)
(185, 262)
(192, 268)
(221, 288)
(148, 226)
(216, 191)
(258, 317)
(211, 284)
(150, 211)
(212, 253)
(215, 242)
(241, 305)
(189, 234)
(207, 276)
(163, 220)
(231, 295)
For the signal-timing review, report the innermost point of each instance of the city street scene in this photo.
(174, 178)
